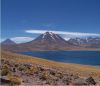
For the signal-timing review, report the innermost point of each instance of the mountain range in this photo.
(90, 42)
(52, 41)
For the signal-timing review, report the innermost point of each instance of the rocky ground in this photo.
(34, 74)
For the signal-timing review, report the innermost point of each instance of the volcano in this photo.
(50, 38)
(46, 41)
(49, 41)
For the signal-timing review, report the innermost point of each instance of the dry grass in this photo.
(5, 70)
(82, 70)
(15, 80)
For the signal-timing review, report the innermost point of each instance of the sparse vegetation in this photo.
(4, 70)
(90, 81)
(31, 70)
(15, 80)
(21, 69)
(47, 76)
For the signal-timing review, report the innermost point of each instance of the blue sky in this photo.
(18, 16)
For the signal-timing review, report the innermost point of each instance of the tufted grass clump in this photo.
(22, 68)
(47, 76)
(15, 80)
(59, 75)
(32, 70)
(5, 70)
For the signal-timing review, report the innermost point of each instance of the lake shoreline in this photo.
(75, 57)
(82, 70)
(61, 50)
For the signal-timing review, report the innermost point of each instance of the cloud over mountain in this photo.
(21, 39)
(64, 33)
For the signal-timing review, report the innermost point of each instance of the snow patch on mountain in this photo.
(86, 40)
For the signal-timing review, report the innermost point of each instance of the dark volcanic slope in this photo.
(46, 41)
(50, 38)
(8, 42)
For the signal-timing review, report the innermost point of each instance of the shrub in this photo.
(5, 66)
(16, 65)
(90, 81)
(5, 70)
(41, 69)
(52, 73)
(15, 80)
(21, 68)
(47, 76)
(59, 75)
(32, 70)
(2, 60)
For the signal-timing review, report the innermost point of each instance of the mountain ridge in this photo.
(87, 42)
(52, 41)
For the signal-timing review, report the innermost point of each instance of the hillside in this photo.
(8, 42)
(72, 70)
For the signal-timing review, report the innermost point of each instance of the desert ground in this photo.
(20, 69)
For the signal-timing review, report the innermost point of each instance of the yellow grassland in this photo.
(82, 70)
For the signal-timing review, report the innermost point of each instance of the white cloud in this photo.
(36, 31)
(70, 34)
(21, 39)
(66, 38)
(1, 40)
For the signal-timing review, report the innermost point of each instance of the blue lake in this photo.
(78, 57)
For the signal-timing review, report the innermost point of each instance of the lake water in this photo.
(79, 57)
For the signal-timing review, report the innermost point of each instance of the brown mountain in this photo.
(46, 41)
(8, 42)
(51, 41)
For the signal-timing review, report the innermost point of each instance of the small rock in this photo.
(90, 81)
(79, 82)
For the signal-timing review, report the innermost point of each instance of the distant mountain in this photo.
(46, 41)
(8, 42)
(52, 41)
(92, 42)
